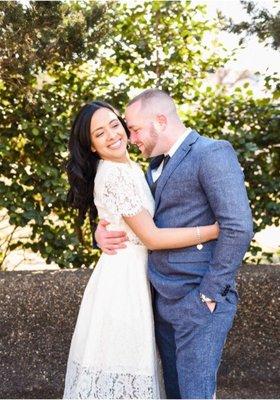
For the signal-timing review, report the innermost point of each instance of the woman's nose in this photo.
(112, 133)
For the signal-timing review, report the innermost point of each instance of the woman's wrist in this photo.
(205, 233)
(211, 233)
(217, 230)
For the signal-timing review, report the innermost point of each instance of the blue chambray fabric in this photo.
(202, 183)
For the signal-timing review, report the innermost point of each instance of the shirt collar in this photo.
(178, 142)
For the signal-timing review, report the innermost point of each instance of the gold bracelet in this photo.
(199, 246)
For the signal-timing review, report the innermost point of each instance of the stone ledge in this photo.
(39, 310)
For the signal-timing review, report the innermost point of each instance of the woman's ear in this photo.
(93, 149)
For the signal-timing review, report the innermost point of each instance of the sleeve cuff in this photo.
(215, 291)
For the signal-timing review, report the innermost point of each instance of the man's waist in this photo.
(188, 253)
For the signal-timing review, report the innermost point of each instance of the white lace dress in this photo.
(113, 354)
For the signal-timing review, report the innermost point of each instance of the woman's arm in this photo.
(156, 238)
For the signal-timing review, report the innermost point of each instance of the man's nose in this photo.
(132, 138)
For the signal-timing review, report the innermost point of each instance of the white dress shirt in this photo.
(156, 172)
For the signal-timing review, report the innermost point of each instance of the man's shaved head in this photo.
(153, 122)
(154, 100)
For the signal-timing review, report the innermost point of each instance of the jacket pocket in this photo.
(189, 256)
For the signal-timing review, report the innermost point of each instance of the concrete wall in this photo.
(38, 311)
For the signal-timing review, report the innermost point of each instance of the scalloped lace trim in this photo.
(91, 383)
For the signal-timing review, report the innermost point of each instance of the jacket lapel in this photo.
(148, 176)
(174, 161)
(154, 163)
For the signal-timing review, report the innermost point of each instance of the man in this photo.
(199, 181)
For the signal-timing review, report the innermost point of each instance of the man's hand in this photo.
(211, 305)
(109, 241)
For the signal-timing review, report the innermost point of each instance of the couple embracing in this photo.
(161, 300)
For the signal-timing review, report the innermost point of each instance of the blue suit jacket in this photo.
(202, 183)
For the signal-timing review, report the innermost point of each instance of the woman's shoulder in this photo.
(114, 170)
(113, 165)
(137, 166)
(130, 165)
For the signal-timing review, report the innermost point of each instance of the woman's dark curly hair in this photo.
(82, 164)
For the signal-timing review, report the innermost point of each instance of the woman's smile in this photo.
(116, 145)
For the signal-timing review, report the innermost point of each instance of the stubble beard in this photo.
(151, 146)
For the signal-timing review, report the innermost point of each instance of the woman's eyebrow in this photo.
(97, 129)
(101, 127)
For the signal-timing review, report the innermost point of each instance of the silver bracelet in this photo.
(199, 246)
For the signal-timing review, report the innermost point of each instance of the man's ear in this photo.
(161, 121)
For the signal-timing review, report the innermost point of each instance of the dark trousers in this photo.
(190, 340)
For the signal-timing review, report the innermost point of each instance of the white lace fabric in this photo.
(113, 353)
(120, 194)
(121, 190)
(100, 384)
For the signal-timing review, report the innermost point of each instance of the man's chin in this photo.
(144, 153)
(153, 155)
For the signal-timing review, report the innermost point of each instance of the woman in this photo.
(113, 352)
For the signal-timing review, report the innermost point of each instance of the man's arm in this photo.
(109, 241)
(223, 182)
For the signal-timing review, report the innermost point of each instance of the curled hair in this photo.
(82, 163)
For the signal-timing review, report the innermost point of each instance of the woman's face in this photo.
(108, 137)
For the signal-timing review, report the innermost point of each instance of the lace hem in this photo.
(92, 383)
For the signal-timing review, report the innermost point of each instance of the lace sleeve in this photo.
(120, 193)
